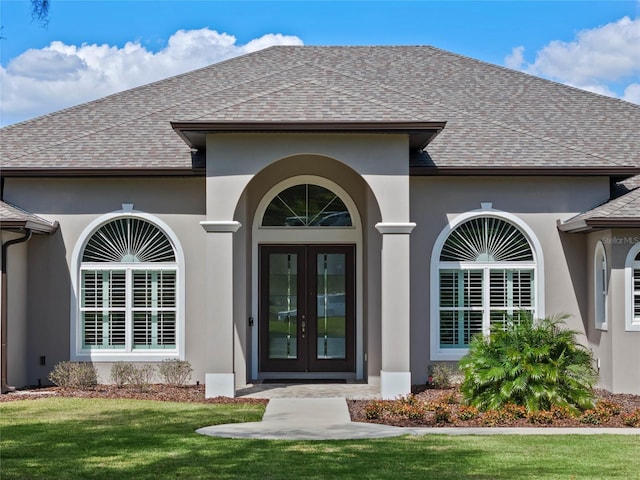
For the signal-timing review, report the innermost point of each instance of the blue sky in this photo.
(93, 48)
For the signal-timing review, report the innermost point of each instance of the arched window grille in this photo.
(128, 290)
(486, 277)
(306, 205)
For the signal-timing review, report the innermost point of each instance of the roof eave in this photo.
(598, 223)
(194, 132)
(33, 225)
(621, 172)
(102, 172)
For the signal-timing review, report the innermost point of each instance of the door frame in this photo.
(307, 236)
(306, 360)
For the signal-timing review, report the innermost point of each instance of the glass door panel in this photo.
(307, 308)
(331, 326)
(283, 306)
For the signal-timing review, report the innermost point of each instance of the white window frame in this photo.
(632, 324)
(537, 265)
(78, 352)
(600, 287)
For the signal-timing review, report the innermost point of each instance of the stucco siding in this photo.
(537, 201)
(625, 349)
(75, 203)
(16, 303)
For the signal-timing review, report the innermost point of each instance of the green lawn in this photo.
(65, 438)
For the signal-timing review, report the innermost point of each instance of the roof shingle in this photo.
(495, 117)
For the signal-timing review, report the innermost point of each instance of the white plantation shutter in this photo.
(486, 277)
(154, 307)
(129, 288)
(636, 292)
(510, 293)
(103, 300)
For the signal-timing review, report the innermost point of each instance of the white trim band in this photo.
(395, 227)
(221, 226)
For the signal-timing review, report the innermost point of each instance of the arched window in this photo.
(632, 289)
(306, 205)
(600, 286)
(485, 276)
(128, 290)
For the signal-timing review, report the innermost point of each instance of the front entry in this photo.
(307, 308)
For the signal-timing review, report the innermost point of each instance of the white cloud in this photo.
(61, 75)
(594, 59)
(516, 58)
(608, 53)
(632, 93)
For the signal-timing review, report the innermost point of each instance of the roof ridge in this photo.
(345, 91)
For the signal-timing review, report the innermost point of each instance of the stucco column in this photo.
(220, 376)
(395, 377)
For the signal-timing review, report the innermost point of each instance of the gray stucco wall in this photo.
(180, 203)
(16, 303)
(75, 203)
(539, 202)
(617, 348)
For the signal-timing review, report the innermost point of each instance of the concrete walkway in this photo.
(304, 419)
(328, 419)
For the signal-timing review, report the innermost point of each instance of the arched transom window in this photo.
(128, 288)
(306, 205)
(486, 274)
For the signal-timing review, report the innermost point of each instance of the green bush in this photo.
(175, 372)
(81, 375)
(534, 364)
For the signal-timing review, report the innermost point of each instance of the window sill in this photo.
(449, 355)
(125, 356)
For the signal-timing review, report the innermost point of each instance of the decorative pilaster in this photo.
(220, 379)
(395, 377)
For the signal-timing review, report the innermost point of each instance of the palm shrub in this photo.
(535, 364)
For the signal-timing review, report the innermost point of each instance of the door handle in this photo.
(303, 325)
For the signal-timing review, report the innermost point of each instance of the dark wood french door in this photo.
(307, 308)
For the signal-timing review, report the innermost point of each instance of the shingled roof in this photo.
(15, 218)
(622, 210)
(496, 119)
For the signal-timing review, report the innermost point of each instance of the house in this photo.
(320, 212)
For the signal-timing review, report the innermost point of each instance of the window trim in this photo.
(630, 264)
(600, 291)
(77, 352)
(453, 354)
